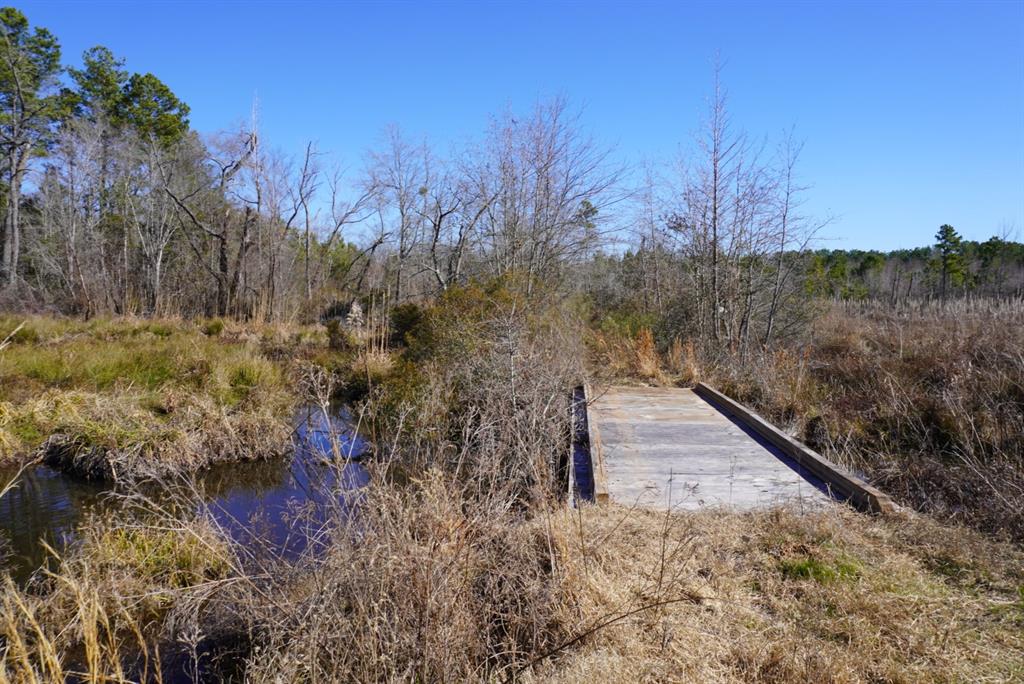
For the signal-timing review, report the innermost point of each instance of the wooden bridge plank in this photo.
(667, 447)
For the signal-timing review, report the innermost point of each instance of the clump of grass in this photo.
(166, 557)
(213, 327)
(647, 363)
(246, 377)
(22, 334)
(819, 571)
(97, 616)
(160, 329)
(681, 361)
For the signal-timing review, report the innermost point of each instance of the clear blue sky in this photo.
(912, 113)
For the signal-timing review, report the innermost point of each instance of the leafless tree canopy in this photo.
(125, 223)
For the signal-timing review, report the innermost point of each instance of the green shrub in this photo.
(406, 319)
(338, 338)
(625, 323)
(448, 328)
(213, 327)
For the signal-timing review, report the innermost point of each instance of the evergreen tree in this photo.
(30, 104)
(140, 101)
(100, 83)
(950, 258)
(153, 110)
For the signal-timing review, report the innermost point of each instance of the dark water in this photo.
(582, 468)
(269, 502)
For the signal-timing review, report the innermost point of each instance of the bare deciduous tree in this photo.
(223, 220)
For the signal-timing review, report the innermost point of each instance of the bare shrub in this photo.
(429, 588)
(488, 396)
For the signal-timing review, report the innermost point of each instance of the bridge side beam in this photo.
(862, 495)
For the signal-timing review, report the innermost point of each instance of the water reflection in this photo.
(267, 502)
(273, 502)
(45, 505)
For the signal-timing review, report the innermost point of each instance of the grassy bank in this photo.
(113, 398)
(927, 401)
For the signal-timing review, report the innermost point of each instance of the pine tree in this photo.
(950, 259)
(100, 83)
(30, 103)
(140, 101)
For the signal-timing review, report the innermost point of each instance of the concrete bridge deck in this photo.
(669, 447)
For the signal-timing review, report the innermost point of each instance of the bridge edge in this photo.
(856, 490)
(596, 451)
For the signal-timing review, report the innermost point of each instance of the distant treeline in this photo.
(994, 268)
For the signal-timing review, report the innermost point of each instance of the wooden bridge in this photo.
(681, 448)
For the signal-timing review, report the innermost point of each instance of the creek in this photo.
(267, 500)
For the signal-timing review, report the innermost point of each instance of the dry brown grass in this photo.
(634, 356)
(436, 584)
(832, 596)
(646, 361)
(681, 361)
